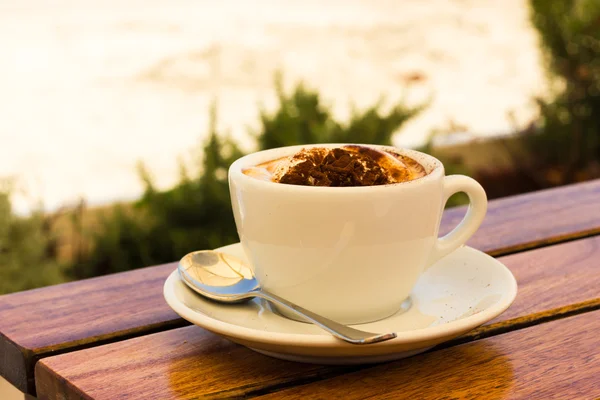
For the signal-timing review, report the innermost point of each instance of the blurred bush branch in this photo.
(196, 214)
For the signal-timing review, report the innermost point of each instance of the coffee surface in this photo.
(350, 165)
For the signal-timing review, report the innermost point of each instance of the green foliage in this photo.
(117, 243)
(569, 139)
(302, 118)
(196, 213)
(26, 250)
(164, 225)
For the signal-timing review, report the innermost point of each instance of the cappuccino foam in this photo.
(350, 165)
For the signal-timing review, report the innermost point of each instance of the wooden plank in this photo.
(52, 320)
(558, 279)
(554, 281)
(121, 306)
(558, 360)
(131, 369)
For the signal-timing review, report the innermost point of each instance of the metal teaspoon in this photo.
(224, 278)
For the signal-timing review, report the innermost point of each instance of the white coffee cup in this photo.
(351, 254)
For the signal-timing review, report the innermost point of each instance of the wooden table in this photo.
(114, 336)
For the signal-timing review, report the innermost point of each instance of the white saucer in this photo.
(460, 292)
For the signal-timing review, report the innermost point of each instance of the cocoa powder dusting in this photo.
(335, 167)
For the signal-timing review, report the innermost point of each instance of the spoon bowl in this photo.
(218, 276)
(226, 279)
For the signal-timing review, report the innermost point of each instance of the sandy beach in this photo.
(89, 88)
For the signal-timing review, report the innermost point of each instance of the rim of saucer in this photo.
(311, 340)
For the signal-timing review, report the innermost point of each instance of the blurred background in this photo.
(119, 119)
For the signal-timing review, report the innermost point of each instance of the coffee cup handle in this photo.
(466, 228)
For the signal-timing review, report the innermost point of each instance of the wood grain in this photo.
(77, 315)
(162, 366)
(553, 281)
(553, 277)
(557, 360)
(47, 321)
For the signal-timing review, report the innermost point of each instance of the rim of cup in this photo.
(432, 165)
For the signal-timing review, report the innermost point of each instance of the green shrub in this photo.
(302, 118)
(196, 213)
(565, 146)
(27, 250)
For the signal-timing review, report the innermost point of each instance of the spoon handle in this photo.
(338, 330)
